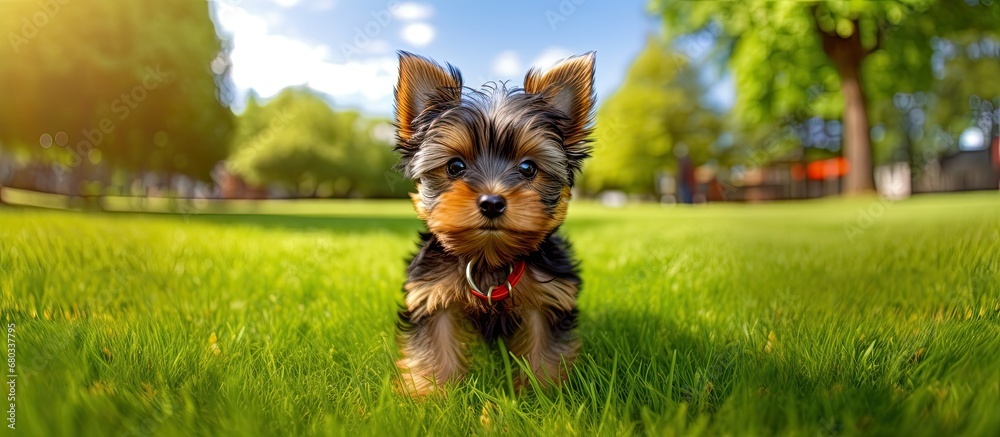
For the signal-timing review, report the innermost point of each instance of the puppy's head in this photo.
(493, 167)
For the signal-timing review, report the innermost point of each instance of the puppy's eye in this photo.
(455, 167)
(527, 169)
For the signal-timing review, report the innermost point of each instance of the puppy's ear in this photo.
(569, 87)
(422, 84)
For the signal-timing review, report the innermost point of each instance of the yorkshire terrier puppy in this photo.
(493, 168)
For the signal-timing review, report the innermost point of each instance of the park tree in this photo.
(791, 59)
(967, 92)
(107, 87)
(919, 127)
(657, 108)
(298, 142)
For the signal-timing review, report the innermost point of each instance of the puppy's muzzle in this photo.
(492, 205)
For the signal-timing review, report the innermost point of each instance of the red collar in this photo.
(496, 292)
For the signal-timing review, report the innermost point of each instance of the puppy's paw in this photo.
(415, 383)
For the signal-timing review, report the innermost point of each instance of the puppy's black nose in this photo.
(492, 205)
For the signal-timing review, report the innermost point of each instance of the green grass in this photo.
(744, 320)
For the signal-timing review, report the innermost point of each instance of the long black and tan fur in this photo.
(522, 146)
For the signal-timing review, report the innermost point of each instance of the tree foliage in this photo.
(298, 142)
(131, 86)
(791, 59)
(656, 108)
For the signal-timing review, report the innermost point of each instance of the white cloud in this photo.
(507, 64)
(550, 56)
(418, 34)
(286, 3)
(372, 78)
(274, 19)
(267, 63)
(410, 11)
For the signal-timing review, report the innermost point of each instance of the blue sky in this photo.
(347, 49)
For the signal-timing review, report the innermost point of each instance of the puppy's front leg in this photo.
(544, 339)
(433, 349)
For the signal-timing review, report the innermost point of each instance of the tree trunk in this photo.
(847, 53)
(857, 142)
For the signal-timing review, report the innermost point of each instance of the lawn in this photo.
(824, 317)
